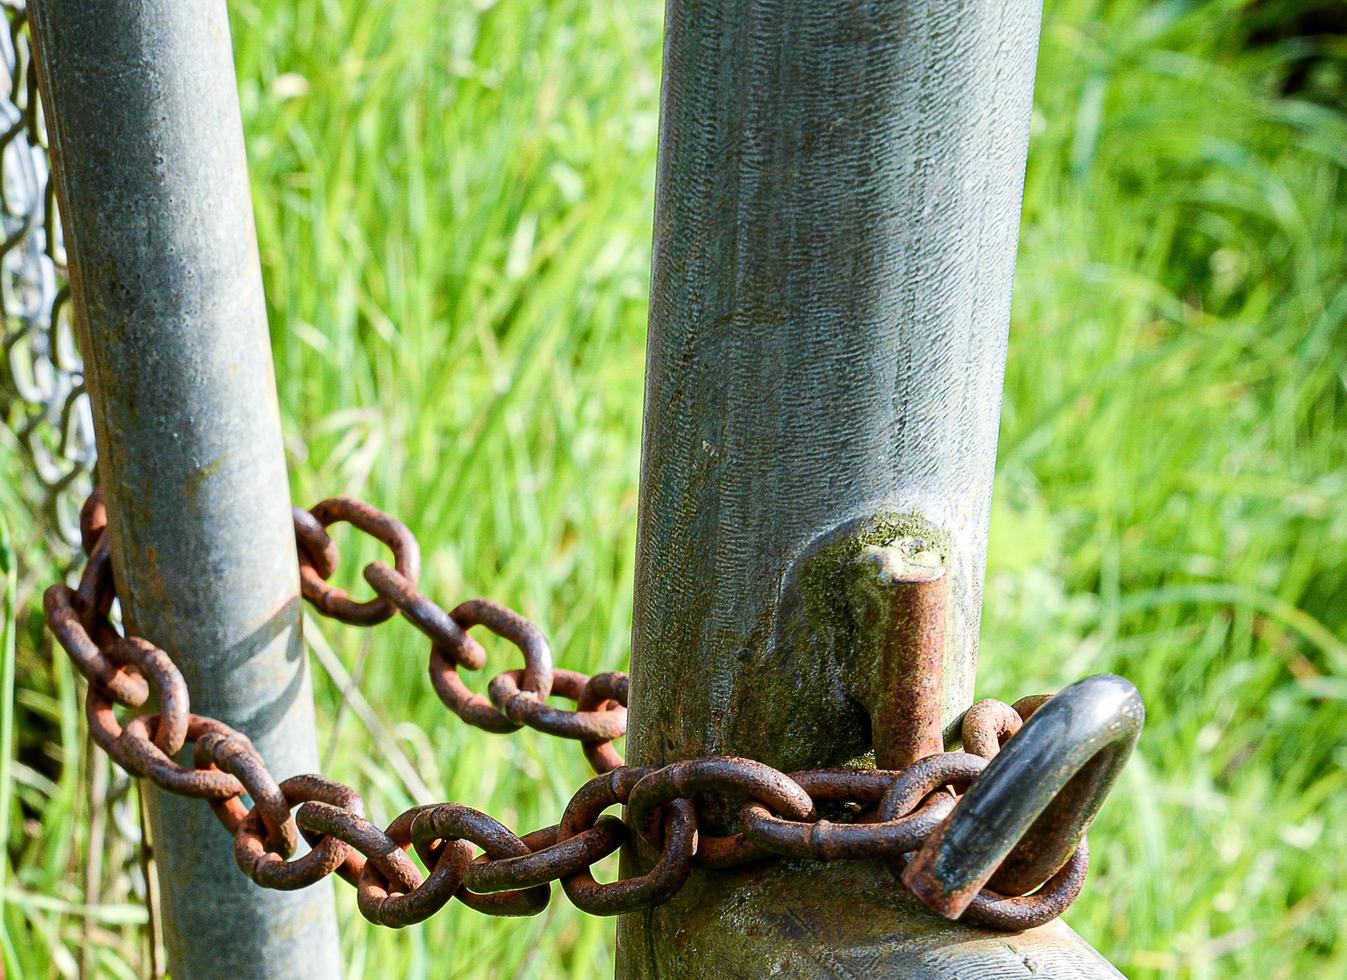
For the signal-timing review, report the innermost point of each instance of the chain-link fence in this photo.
(42, 384)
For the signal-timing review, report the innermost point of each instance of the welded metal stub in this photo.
(898, 602)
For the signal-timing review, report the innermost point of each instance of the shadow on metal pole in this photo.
(147, 146)
(837, 210)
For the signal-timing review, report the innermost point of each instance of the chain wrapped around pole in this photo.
(904, 817)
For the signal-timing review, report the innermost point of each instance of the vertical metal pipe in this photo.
(147, 141)
(837, 208)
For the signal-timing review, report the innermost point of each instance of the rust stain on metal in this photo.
(987, 725)
(899, 601)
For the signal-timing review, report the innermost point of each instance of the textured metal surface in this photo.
(42, 395)
(844, 920)
(836, 214)
(146, 138)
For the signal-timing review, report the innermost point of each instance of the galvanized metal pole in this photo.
(837, 208)
(147, 142)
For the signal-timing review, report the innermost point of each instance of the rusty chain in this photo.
(870, 814)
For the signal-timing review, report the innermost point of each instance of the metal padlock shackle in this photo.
(1024, 816)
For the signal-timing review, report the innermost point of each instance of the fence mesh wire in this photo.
(42, 384)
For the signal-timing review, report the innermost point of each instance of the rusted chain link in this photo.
(873, 814)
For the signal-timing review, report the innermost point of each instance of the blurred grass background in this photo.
(453, 203)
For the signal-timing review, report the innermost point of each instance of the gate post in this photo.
(836, 216)
(147, 146)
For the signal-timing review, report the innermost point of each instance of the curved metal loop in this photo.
(472, 708)
(862, 786)
(658, 884)
(233, 752)
(328, 854)
(313, 543)
(548, 859)
(925, 776)
(396, 905)
(601, 693)
(138, 755)
(400, 591)
(93, 520)
(1022, 819)
(96, 587)
(990, 723)
(315, 557)
(317, 820)
(757, 842)
(446, 823)
(127, 687)
(1013, 913)
(525, 708)
(822, 840)
(910, 808)
(778, 793)
(865, 787)
(170, 731)
(507, 624)
(987, 726)
(389, 891)
(717, 774)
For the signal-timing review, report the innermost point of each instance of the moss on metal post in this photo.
(147, 144)
(837, 208)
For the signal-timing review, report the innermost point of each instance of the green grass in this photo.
(453, 203)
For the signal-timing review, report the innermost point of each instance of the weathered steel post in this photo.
(147, 143)
(836, 216)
